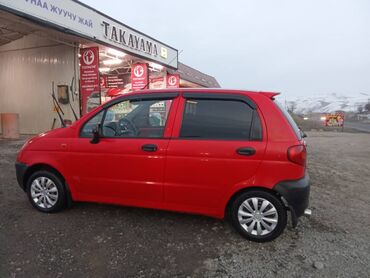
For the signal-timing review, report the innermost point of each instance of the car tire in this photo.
(46, 191)
(258, 215)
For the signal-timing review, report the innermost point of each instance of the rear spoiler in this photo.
(270, 95)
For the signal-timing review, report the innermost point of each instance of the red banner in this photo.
(89, 79)
(173, 80)
(157, 80)
(139, 76)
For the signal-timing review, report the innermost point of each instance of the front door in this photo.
(126, 166)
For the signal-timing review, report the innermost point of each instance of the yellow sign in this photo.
(164, 52)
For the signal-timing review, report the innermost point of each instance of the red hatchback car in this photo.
(213, 152)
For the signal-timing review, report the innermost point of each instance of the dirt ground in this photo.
(92, 240)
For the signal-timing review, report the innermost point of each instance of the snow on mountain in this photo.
(326, 103)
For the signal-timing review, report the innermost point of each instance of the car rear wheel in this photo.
(46, 191)
(258, 215)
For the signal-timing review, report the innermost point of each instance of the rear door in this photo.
(217, 143)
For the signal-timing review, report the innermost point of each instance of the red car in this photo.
(204, 151)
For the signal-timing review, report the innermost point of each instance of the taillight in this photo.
(297, 154)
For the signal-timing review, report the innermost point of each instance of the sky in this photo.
(306, 47)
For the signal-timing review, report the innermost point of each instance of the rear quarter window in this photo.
(290, 119)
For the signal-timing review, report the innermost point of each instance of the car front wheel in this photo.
(46, 191)
(258, 215)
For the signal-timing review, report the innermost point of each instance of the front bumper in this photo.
(296, 193)
(21, 169)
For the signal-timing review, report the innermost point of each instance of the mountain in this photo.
(326, 103)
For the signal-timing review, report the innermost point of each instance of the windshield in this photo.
(290, 119)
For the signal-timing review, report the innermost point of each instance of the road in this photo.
(92, 240)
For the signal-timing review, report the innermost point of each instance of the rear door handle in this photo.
(247, 151)
(149, 148)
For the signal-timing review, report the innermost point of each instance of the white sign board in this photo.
(85, 21)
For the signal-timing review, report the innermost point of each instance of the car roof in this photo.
(202, 91)
(117, 99)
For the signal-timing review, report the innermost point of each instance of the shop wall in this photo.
(28, 67)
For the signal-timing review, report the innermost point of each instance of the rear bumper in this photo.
(20, 169)
(296, 193)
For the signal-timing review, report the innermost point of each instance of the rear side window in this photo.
(220, 119)
(291, 121)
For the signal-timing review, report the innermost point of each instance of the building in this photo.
(82, 55)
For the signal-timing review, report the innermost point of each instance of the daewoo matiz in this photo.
(213, 152)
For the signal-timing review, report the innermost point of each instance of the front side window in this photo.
(134, 118)
(218, 119)
(91, 124)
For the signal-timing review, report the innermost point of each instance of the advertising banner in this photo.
(116, 80)
(173, 80)
(89, 79)
(139, 76)
(157, 80)
(334, 120)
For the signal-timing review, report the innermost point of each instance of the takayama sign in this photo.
(126, 38)
(89, 78)
(75, 17)
(139, 77)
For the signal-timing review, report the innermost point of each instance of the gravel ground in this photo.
(92, 240)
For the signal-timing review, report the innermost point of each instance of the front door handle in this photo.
(149, 148)
(247, 151)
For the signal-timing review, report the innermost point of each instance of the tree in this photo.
(360, 109)
(292, 106)
(367, 107)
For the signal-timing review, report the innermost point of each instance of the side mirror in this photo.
(303, 134)
(96, 135)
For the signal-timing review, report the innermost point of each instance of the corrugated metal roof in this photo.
(11, 29)
(195, 76)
